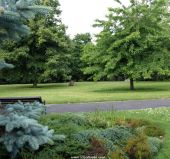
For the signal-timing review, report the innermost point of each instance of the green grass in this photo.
(160, 116)
(89, 91)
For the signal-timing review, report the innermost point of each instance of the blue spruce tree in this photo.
(13, 17)
(19, 128)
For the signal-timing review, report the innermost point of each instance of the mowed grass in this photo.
(160, 116)
(89, 91)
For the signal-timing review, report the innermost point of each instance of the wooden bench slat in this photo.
(12, 100)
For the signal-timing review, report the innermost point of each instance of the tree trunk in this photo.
(132, 84)
(35, 84)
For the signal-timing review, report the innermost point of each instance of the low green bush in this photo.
(155, 145)
(138, 148)
(133, 123)
(96, 148)
(93, 136)
(154, 131)
(117, 154)
(65, 124)
(45, 153)
(65, 119)
(118, 135)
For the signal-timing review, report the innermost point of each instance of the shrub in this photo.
(45, 153)
(66, 148)
(30, 110)
(89, 142)
(73, 147)
(154, 131)
(119, 135)
(3, 153)
(133, 123)
(65, 124)
(117, 154)
(78, 143)
(155, 145)
(21, 128)
(96, 121)
(138, 147)
(66, 129)
(97, 148)
(91, 136)
(110, 137)
(66, 119)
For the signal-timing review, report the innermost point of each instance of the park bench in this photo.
(12, 100)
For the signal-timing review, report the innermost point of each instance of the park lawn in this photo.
(160, 116)
(89, 91)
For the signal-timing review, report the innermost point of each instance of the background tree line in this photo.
(133, 44)
(47, 54)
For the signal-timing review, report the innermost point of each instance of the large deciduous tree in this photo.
(134, 41)
(44, 54)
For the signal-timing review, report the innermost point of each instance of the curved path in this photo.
(106, 106)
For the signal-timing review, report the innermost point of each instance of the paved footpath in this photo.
(106, 106)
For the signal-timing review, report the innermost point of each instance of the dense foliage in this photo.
(82, 135)
(13, 18)
(76, 63)
(14, 13)
(133, 43)
(43, 55)
(90, 135)
(19, 128)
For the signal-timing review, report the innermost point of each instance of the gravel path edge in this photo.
(106, 106)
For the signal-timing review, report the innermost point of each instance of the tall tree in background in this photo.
(43, 55)
(134, 42)
(76, 64)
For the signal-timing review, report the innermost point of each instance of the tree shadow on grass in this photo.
(127, 90)
(42, 86)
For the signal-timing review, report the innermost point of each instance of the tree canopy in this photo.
(42, 56)
(134, 42)
(76, 64)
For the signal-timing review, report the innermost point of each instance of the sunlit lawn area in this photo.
(89, 91)
(161, 116)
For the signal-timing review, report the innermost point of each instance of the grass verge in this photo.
(89, 91)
